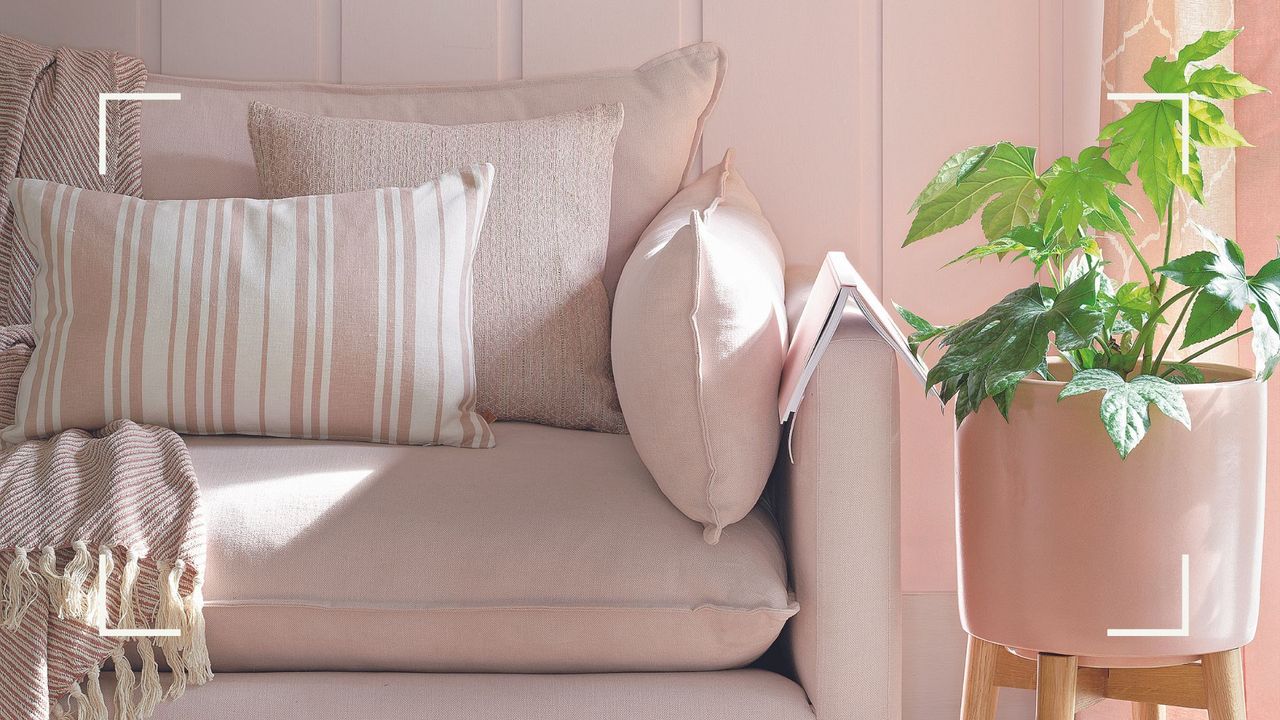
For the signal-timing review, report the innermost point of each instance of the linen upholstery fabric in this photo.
(699, 336)
(197, 148)
(49, 130)
(343, 316)
(542, 314)
(727, 695)
(838, 504)
(553, 552)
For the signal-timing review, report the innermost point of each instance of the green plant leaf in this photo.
(1265, 285)
(1222, 84)
(1073, 188)
(1005, 182)
(1124, 407)
(1266, 347)
(1127, 308)
(1000, 347)
(1227, 288)
(924, 330)
(1184, 374)
(1117, 221)
(955, 169)
(1213, 314)
(1167, 76)
(1210, 43)
(1195, 270)
(1149, 137)
(1075, 314)
(1209, 126)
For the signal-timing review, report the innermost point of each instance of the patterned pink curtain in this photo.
(1242, 194)
(1134, 31)
(1257, 224)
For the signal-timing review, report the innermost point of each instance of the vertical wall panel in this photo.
(510, 39)
(573, 35)
(790, 105)
(329, 20)
(403, 41)
(969, 75)
(108, 24)
(242, 39)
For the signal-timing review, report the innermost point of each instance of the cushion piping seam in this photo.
(790, 610)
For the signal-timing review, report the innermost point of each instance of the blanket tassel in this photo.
(78, 593)
(199, 669)
(125, 684)
(17, 593)
(151, 692)
(77, 602)
(170, 614)
(97, 703)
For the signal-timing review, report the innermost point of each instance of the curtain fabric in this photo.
(1133, 32)
(1242, 190)
(1257, 224)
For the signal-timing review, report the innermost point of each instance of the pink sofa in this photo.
(549, 577)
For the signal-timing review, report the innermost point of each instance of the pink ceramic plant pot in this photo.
(1060, 540)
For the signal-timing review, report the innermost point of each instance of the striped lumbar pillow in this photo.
(331, 316)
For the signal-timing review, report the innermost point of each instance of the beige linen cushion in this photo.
(339, 316)
(542, 314)
(197, 147)
(699, 337)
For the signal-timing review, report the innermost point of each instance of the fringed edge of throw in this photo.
(76, 593)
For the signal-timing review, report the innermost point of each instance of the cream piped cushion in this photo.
(699, 338)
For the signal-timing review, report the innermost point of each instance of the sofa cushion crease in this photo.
(725, 695)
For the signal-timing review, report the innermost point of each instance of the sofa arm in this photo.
(838, 502)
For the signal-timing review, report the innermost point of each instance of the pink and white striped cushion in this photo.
(332, 316)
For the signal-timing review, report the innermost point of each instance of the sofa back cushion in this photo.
(699, 333)
(542, 315)
(197, 147)
(342, 316)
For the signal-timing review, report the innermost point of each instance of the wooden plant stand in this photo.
(1216, 684)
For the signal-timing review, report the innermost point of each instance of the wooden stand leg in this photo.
(1224, 685)
(1148, 711)
(1056, 687)
(980, 691)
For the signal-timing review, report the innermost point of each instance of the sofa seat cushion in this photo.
(554, 552)
(729, 695)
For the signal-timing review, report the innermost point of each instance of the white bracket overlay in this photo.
(1184, 630)
(105, 631)
(1185, 99)
(102, 118)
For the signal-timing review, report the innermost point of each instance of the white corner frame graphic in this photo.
(1182, 631)
(102, 118)
(105, 631)
(1184, 98)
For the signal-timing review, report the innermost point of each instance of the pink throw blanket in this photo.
(49, 131)
(122, 499)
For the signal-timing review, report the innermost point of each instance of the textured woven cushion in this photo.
(197, 148)
(699, 336)
(342, 316)
(553, 552)
(542, 315)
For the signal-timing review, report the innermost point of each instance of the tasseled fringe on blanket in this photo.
(76, 593)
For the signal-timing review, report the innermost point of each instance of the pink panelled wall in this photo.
(841, 111)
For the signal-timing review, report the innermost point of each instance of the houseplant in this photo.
(1069, 527)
